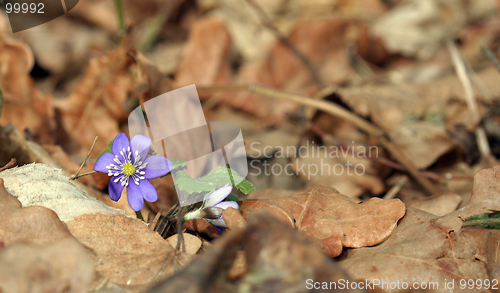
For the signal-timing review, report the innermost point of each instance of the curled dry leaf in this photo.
(332, 220)
(43, 185)
(125, 250)
(278, 258)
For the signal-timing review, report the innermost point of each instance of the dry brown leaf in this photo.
(191, 242)
(26, 152)
(438, 205)
(333, 220)
(348, 174)
(233, 218)
(278, 258)
(484, 199)
(36, 225)
(43, 185)
(425, 23)
(415, 115)
(201, 226)
(425, 248)
(37, 252)
(205, 60)
(25, 106)
(125, 250)
(320, 40)
(62, 266)
(101, 98)
(419, 251)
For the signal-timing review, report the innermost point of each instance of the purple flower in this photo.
(130, 167)
(213, 206)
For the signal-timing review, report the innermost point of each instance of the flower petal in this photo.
(217, 222)
(225, 204)
(135, 195)
(119, 143)
(141, 144)
(148, 190)
(157, 166)
(217, 196)
(115, 189)
(103, 161)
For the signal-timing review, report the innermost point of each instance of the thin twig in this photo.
(83, 174)
(180, 236)
(481, 222)
(84, 161)
(397, 187)
(283, 39)
(154, 223)
(470, 99)
(9, 164)
(337, 111)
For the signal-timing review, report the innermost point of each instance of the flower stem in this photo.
(121, 19)
(481, 222)
(139, 215)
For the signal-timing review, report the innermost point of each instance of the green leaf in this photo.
(108, 150)
(213, 180)
(232, 198)
(178, 164)
(495, 214)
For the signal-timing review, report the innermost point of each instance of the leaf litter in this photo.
(301, 224)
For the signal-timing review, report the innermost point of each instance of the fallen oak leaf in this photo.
(439, 205)
(427, 248)
(332, 220)
(420, 252)
(125, 250)
(485, 199)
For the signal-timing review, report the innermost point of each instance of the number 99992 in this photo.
(24, 8)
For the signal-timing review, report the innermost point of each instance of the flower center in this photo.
(128, 169)
(125, 169)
